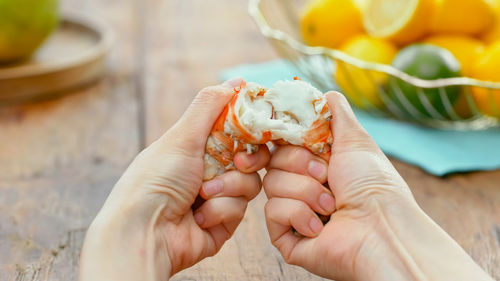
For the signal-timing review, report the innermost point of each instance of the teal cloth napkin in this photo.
(437, 152)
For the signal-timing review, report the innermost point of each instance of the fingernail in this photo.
(198, 218)
(212, 187)
(316, 225)
(327, 202)
(249, 160)
(233, 82)
(317, 169)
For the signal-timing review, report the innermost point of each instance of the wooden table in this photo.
(59, 159)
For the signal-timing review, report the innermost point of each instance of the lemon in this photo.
(362, 85)
(462, 16)
(402, 21)
(426, 62)
(330, 22)
(486, 68)
(465, 49)
(495, 4)
(24, 25)
(493, 33)
(362, 4)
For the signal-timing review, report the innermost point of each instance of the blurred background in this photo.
(86, 85)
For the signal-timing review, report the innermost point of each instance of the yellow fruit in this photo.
(493, 33)
(329, 23)
(495, 4)
(402, 21)
(465, 49)
(362, 85)
(486, 69)
(462, 16)
(361, 4)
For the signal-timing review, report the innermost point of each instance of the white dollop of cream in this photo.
(253, 112)
(287, 110)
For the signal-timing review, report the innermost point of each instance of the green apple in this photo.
(24, 25)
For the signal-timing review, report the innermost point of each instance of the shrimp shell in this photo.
(230, 135)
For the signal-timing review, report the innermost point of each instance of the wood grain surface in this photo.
(60, 158)
(72, 56)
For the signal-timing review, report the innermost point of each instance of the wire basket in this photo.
(278, 20)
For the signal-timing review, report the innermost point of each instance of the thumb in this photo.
(349, 135)
(192, 129)
(358, 168)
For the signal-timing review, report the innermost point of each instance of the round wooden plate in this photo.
(72, 56)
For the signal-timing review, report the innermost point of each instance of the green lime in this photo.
(427, 62)
(24, 25)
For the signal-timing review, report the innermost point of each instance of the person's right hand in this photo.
(376, 232)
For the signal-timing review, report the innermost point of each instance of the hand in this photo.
(147, 229)
(376, 230)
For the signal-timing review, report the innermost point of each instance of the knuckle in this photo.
(276, 244)
(305, 188)
(297, 153)
(232, 179)
(287, 256)
(237, 215)
(240, 202)
(264, 157)
(239, 184)
(299, 210)
(268, 207)
(255, 186)
(235, 212)
(268, 180)
(309, 183)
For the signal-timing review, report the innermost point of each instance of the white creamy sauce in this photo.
(294, 97)
(296, 108)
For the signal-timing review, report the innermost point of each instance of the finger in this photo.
(299, 160)
(192, 129)
(221, 233)
(357, 163)
(284, 184)
(349, 135)
(249, 163)
(232, 184)
(220, 210)
(284, 213)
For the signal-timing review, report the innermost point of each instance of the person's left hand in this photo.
(147, 228)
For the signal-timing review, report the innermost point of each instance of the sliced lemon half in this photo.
(401, 21)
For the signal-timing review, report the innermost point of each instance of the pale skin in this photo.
(148, 228)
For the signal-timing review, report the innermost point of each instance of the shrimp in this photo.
(290, 112)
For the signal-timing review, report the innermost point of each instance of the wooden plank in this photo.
(60, 158)
(186, 44)
(466, 205)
